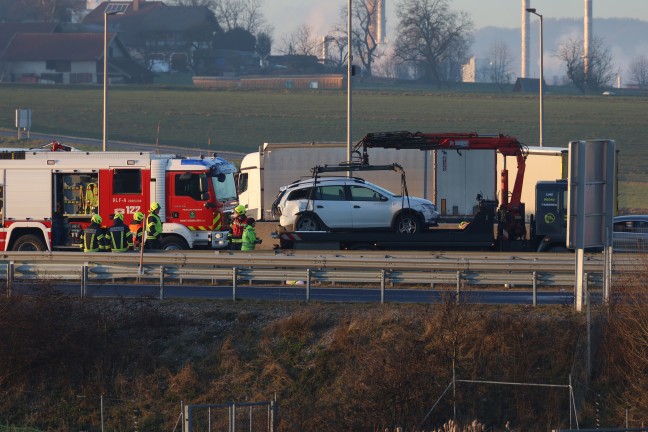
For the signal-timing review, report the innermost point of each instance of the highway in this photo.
(299, 293)
(329, 276)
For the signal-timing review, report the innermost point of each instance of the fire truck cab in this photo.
(48, 197)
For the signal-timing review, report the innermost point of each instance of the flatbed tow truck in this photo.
(493, 228)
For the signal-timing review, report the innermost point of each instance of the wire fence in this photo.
(231, 417)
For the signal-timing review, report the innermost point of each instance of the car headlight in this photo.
(429, 208)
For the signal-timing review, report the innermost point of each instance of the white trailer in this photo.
(450, 179)
(542, 164)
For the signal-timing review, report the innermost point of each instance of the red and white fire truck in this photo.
(48, 197)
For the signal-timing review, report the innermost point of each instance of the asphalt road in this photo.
(300, 293)
(123, 146)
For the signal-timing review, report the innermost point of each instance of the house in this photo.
(67, 58)
(528, 85)
(155, 32)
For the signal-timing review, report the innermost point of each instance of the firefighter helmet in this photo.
(118, 215)
(96, 219)
(154, 206)
(239, 209)
(138, 216)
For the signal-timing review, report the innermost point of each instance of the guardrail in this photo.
(393, 269)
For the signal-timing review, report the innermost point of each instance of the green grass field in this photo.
(241, 120)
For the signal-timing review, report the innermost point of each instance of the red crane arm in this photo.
(506, 145)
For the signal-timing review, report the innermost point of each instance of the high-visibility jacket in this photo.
(136, 234)
(119, 238)
(91, 197)
(153, 226)
(249, 239)
(92, 239)
(238, 225)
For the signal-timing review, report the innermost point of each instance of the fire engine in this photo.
(48, 197)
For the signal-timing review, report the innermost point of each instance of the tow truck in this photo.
(496, 226)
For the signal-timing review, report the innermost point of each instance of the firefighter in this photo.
(136, 230)
(118, 237)
(92, 239)
(237, 226)
(153, 227)
(91, 198)
(249, 239)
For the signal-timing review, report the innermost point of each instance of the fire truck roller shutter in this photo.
(28, 194)
(158, 171)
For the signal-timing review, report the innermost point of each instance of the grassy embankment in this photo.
(330, 366)
(243, 120)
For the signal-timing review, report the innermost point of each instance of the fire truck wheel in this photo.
(408, 223)
(174, 243)
(29, 243)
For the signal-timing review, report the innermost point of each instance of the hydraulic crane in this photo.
(511, 220)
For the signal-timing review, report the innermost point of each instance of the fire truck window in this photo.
(127, 181)
(188, 185)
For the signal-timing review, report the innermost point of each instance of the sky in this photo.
(288, 15)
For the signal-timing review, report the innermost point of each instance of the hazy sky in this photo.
(287, 15)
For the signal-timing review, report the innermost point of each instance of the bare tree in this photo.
(364, 33)
(301, 42)
(245, 14)
(387, 67)
(41, 10)
(433, 38)
(208, 3)
(498, 69)
(600, 68)
(639, 71)
(336, 55)
(263, 45)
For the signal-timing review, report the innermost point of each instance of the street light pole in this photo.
(105, 78)
(349, 74)
(533, 11)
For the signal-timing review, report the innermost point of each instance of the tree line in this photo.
(432, 42)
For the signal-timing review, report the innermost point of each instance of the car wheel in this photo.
(308, 222)
(408, 223)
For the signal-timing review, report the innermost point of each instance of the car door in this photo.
(369, 208)
(332, 207)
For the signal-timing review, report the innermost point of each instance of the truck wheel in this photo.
(557, 248)
(407, 223)
(308, 222)
(362, 246)
(29, 243)
(174, 243)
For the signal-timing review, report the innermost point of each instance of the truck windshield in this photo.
(225, 190)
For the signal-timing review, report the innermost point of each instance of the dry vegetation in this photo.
(330, 366)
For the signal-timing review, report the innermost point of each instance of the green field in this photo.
(241, 120)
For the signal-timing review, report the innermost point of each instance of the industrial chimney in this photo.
(525, 40)
(378, 20)
(587, 37)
